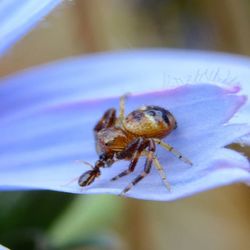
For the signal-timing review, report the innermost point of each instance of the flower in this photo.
(18, 17)
(3, 248)
(47, 115)
(39, 146)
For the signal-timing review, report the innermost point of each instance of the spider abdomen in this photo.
(150, 121)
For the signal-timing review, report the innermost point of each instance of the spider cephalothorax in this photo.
(128, 138)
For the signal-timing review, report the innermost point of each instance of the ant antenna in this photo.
(85, 163)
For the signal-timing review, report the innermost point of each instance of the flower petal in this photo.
(3, 248)
(18, 17)
(38, 149)
(135, 71)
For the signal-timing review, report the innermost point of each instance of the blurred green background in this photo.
(218, 219)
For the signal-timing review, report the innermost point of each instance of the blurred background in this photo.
(218, 219)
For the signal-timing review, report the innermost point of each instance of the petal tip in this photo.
(234, 89)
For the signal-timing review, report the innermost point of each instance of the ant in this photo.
(130, 137)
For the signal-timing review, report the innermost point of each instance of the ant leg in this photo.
(162, 173)
(108, 120)
(173, 151)
(147, 167)
(137, 147)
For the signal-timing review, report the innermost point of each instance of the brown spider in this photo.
(128, 138)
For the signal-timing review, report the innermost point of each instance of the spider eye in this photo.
(165, 117)
(137, 115)
(151, 113)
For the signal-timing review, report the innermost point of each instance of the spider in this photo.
(129, 138)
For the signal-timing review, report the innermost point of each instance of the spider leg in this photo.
(108, 120)
(122, 108)
(162, 173)
(147, 167)
(136, 147)
(173, 151)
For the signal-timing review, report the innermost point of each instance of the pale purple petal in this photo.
(17, 17)
(3, 248)
(133, 71)
(39, 149)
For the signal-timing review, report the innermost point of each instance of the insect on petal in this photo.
(39, 149)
